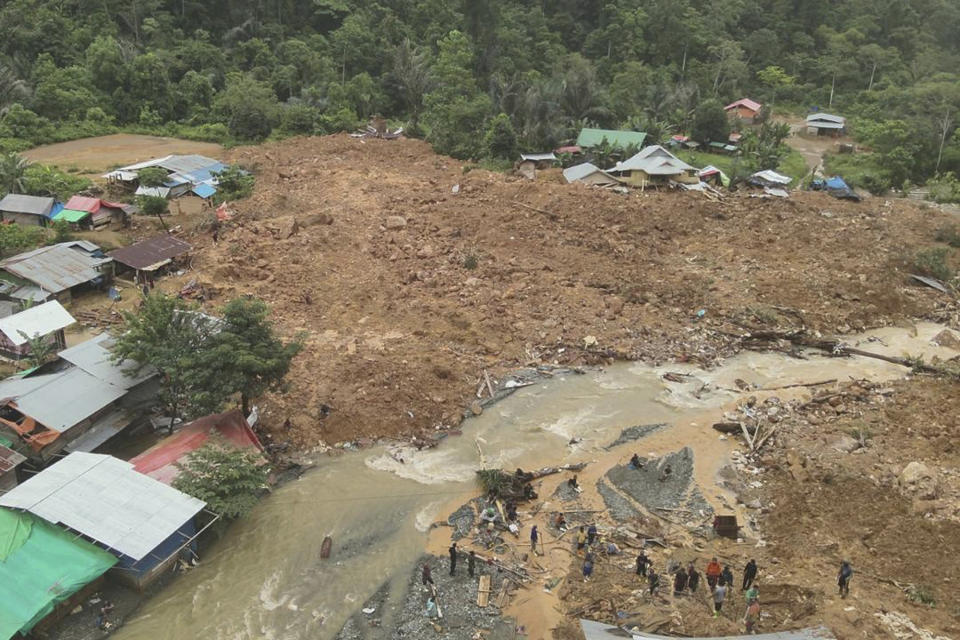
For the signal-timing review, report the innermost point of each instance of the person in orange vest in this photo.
(713, 573)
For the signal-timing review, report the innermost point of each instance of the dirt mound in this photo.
(410, 277)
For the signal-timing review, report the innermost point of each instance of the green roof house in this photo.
(622, 139)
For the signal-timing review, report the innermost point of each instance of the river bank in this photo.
(265, 578)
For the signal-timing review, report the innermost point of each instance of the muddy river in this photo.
(264, 578)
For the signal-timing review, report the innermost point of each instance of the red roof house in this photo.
(745, 108)
(103, 212)
(159, 461)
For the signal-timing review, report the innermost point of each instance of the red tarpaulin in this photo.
(159, 461)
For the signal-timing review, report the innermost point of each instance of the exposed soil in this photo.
(94, 156)
(399, 328)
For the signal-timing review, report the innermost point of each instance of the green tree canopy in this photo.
(228, 479)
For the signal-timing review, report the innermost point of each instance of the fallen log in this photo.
(549, 214)
(800, 384)
(731, 427)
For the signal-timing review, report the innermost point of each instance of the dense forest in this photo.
(483, 77)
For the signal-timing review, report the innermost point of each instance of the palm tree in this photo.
(13, 169)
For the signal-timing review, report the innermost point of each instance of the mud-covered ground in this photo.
(409, 276)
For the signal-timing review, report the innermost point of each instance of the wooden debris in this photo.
(504, 591)
(483, 591)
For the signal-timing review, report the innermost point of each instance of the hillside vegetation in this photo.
(447, 70)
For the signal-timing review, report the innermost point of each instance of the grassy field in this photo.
(793, 165)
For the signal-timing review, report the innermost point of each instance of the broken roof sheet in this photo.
(772, 177)
(600, 631)
(94, 357)
(57, 267)
(104, 499)
(37, 321)
(19, 203)
(538, 157)
(157, 192)
(149, 252)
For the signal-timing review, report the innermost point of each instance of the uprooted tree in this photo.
(228, 479)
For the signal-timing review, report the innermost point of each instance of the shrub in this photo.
(470, 262)
(152, 205)
(949, 234)
(233, 183)
(933, 262)
(229, 480)
(61, 231)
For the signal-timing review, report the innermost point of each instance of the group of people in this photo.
(720, 581)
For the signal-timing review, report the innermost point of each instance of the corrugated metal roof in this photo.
(600, 631)
(158, 192)
(101, 431)
(654, 160)
(538, 157)
(71, 215)
(772, 177)
(205, 190)
(19, 203)
(16, 386)
(579, 171)
(82, 203)
(150, 251)
(593, 137)
(30, 294)
(9, 459)
(69, 398)
(57, 267)
(820, 118)
(744, 102)
(94, 357)
(36, 321)
(106, 500)
(188, 163)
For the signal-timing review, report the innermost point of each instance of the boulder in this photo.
(476, 408)
(919, 480)
(395, 222)
(846, 444)
(947, 338)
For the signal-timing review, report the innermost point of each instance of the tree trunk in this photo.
(833, 84)
(872, 73)
(944, 130)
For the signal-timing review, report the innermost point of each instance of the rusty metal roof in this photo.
(9, 459)
(151, 251)
(57, 267)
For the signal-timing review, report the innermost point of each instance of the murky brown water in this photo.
(265, 579)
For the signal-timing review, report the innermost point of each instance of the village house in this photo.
(622, 139)
(47, 320)
(45, 572)
(232, 429)
(184, 174)
(588, 173)
(654, 166)
(93, 212)
(32, 211)
(143, 523)
(56, 271)
(744, 109)
(76, 403)
(148, 256)
(530, 162)
(825, 124)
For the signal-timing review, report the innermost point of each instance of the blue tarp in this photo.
(836, 182)
(204, 190)
(57, 208)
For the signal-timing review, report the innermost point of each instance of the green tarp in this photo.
(40, 566)
(71, 215)
(622, 139)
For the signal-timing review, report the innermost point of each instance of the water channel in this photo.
(265, 578)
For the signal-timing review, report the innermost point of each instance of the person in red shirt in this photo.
(713, 573)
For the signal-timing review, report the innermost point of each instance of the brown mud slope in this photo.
(399, 328)
(891, 506)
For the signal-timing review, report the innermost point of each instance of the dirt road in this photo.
(94, 156)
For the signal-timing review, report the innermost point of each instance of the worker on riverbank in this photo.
(752, 616)
(679, 582)
(471, 562)
(653, 581)
(581, 540)
(693, 578)
(427, 575)
(635, 462)
(719, 595)
(534, 535)
(843, 578)
(713, 573)
(749, 574)
(591, 534)
(453, 558)
(642, 563)
(753, 593)
(587, 569)
(726, 576)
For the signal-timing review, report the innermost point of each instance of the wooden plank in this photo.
(483, 591)
(502, 596)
